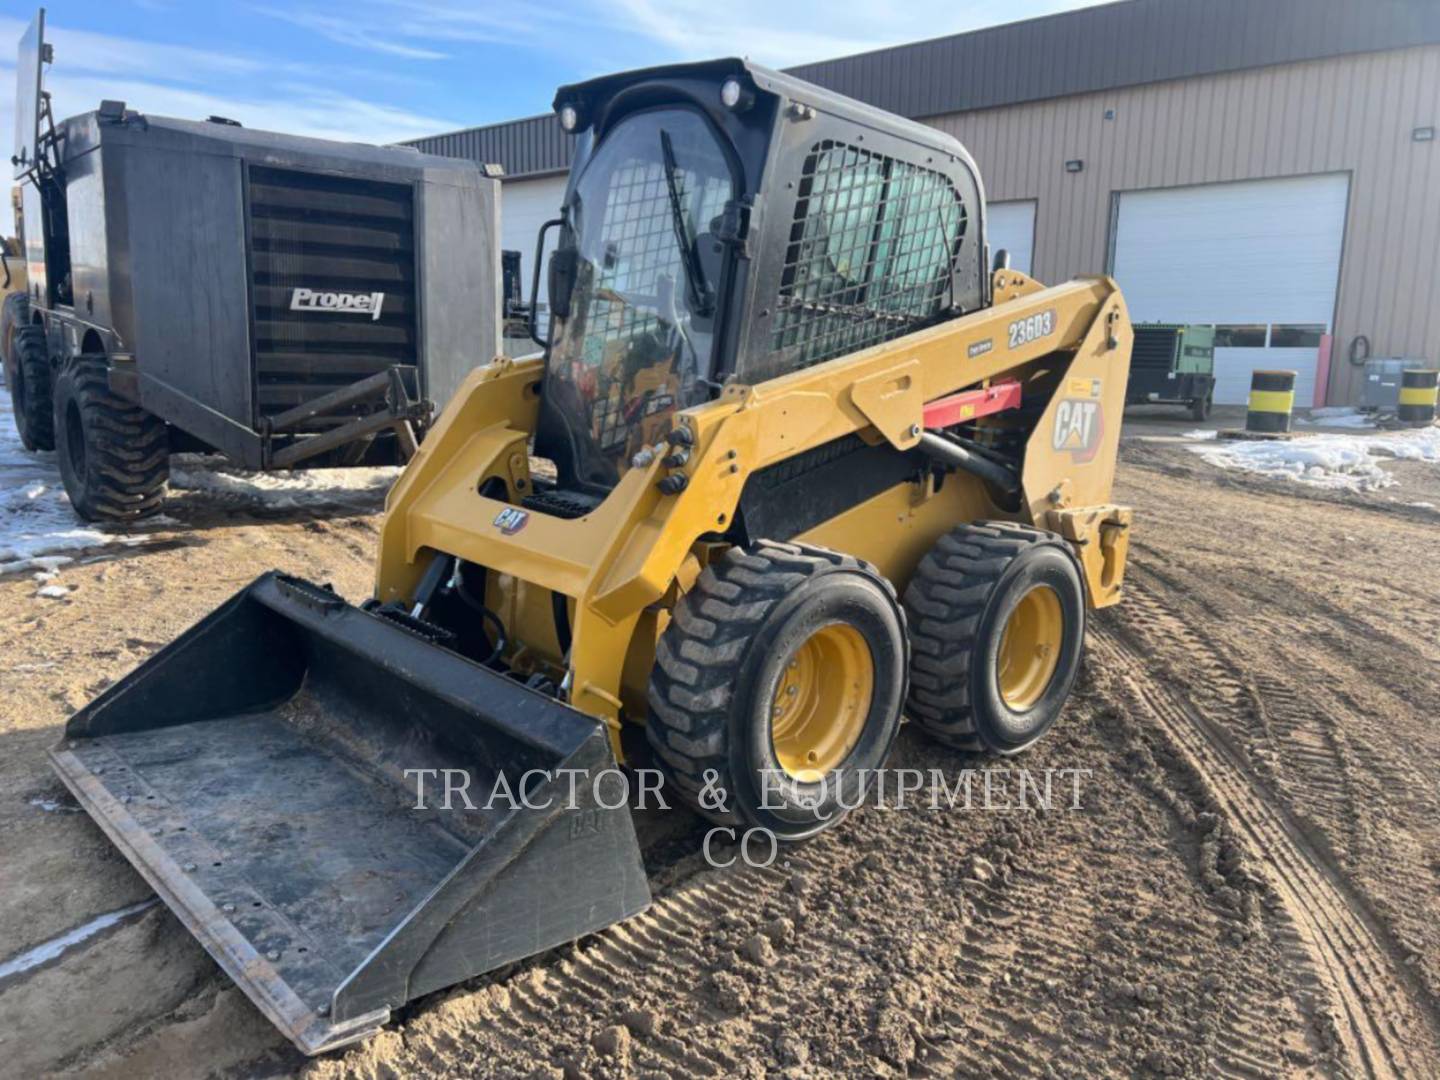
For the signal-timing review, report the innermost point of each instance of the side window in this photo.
(1240, 336)
(872, 248)
(1296, 336)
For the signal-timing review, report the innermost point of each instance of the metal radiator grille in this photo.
(331, 235)
(1154, 348)
(872, 249)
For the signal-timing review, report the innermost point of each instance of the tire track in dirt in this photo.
(1011, 969)
(1335, 723)
(1386, 1018)
(1076, 944)
(923, 944)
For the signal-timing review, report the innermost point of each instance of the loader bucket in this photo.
(254, 771)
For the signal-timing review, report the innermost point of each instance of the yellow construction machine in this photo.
(800, 457)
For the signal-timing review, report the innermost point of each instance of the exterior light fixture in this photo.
(1075, 165)
(734, 96)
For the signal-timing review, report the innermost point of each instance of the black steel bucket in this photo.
(255, 772)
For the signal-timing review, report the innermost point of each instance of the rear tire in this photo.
(1200, 408)
(997, 624)
(30, 392)
(736, 698)
(114, 456)
(14, 314)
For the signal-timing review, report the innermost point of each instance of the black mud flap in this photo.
(260, 773)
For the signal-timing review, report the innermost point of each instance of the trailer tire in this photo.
(14, 314)
(736, 706)
(1200, 407)
(971, 686)
(30, 392)
(114, 456)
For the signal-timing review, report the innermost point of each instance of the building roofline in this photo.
(1085, 50)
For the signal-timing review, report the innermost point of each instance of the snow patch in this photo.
(1341, 416)
(52, 806)
(1337, 462)
(48, 951)
(1201, 434)
(282, 490)
(36, 519)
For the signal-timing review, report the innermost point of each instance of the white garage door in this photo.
(525, 205)
(1259, 260)
(1011, 225)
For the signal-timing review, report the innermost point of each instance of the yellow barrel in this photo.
(1272, 397)
(1418, 388)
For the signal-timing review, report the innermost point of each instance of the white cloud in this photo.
(346, 31)
(594, 33)
(412, 29)
(801, 31)
(174, 80)
(80, 50)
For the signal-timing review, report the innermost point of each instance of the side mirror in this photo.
(533, 325)
(563, 264)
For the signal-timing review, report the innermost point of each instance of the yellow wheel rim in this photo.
(820, 705)
(1030, 648)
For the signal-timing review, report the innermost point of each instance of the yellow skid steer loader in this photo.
(799, 457)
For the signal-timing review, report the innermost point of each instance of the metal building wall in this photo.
(533, 146)
(1351, 114)
(1118, 44)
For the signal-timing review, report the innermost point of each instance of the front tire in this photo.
(997, 618)
(780, 681)
(31, 392)
(114, 456)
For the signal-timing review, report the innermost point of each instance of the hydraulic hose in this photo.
(952, 453)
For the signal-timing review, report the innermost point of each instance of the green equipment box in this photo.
(1173, 365)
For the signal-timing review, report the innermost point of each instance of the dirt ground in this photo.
(1247, 889)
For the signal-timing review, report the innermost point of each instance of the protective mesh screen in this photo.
(872, 249)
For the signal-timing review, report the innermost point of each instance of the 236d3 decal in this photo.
(1032, 328)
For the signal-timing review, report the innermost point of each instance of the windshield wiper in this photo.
(700, 299)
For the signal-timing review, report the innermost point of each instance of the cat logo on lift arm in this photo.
(511, 520)
(1079, 421)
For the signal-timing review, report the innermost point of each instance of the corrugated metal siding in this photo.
(1351, 114)
(1123, 44)
(530, 147)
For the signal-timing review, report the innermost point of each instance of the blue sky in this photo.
(384, 70)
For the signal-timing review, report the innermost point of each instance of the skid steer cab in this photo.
(799, 459)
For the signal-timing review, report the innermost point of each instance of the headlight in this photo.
(569, 117)
(734, 96)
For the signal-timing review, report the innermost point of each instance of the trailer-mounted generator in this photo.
(196, 285)
(1173, 365)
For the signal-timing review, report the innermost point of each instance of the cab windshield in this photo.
(636, 344)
